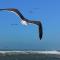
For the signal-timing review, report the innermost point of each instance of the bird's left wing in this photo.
(14, 10)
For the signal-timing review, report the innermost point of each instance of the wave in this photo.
(29, 52)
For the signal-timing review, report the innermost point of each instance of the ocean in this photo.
(29, 55)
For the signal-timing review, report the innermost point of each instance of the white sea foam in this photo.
(30, 52)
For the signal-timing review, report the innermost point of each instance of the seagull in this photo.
(26, 21)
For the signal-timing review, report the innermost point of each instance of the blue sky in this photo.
(26, 37)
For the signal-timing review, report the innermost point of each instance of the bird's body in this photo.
(26, 21)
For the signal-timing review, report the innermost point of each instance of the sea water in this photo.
(29, 55)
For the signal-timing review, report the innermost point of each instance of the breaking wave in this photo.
(29, 52)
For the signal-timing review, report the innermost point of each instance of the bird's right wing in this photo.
(39, 26)
(14, 10)
(40, 31)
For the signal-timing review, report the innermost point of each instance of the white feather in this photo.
(15, 13)
(24, 22)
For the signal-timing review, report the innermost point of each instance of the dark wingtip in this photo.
(40, 31)
(40, 37)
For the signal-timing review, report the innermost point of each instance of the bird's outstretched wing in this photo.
(40, 31)
(39, 27)
(16, 11)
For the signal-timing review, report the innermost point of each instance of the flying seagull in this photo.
(26, 21)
